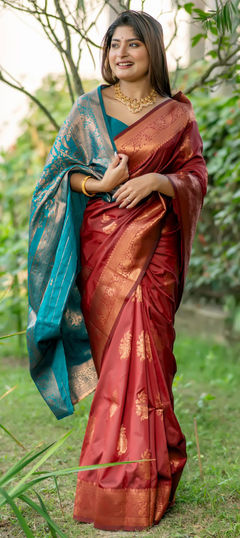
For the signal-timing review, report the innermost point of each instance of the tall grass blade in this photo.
(12, 436)
(22, 521)
(12, 334)
(23, 462)
(51, 529)
(8, 392)
(45, 515)
(47, 455)
(19, 490)
(64, 472)
(59, 496)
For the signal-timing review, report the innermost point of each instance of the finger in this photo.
(115, 161)
(126, 201)
(122, 196)
(123, 159)
(133, 203)
(122, 190)
(124, 183)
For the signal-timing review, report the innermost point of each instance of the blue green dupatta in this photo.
(58, 345)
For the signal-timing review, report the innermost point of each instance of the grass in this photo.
(206, 387)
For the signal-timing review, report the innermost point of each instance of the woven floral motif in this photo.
(159, 404)
(148, 347)
(105, 218)
(142, 405)
(114, 405)
(91, 428)
(110, 228)
(145, 466)
(122, 441)
(144, 346)
(141, 347)
(125, 345)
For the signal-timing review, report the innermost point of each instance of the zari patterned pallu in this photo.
(129, 271)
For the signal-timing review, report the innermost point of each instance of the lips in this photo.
(124, 64)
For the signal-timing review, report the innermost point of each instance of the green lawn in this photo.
(206, 387)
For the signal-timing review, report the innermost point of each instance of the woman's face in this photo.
(128, 57)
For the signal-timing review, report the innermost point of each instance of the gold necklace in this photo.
(132, 103)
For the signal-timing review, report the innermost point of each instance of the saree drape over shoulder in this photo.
(102, 305)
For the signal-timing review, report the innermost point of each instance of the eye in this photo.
(134, 45)
(114, 45)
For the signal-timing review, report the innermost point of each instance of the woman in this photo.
(133, 157)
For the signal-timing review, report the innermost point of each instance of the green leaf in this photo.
(213, 28)
(47, 455)
(44, 513)
(20, 489)
(196, 39)
(12, 334)
(44, 509)
(201, 14)
(22, 521)
(12, 436)
(188, 7)
(233, 7)
(23, 462)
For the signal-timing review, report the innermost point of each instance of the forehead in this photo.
(124, 32)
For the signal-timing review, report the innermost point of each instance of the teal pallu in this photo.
(58, 345)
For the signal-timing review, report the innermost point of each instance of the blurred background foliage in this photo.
(214, 270)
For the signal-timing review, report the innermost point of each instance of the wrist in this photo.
(92, 185)
(155, 181)
(104, 186)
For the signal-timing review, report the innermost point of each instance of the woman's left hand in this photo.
(134, 190)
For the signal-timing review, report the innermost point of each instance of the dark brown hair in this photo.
(149, 31)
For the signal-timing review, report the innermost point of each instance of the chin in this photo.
(132, 77)
(128, 77)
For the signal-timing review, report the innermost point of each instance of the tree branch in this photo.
(36, 11)
(68, 51)
(68, 80)
(214, 65)
(175, 28)
(21, 89)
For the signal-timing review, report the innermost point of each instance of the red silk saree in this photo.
(133, 266)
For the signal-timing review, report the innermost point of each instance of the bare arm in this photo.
(116, 173)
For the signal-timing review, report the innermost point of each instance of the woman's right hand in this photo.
(116, 173)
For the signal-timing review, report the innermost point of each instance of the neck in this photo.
(136, 90)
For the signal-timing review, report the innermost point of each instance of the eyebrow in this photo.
(131, 39)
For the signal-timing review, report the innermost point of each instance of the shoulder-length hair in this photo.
(149, 31)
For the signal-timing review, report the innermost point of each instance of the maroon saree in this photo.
(133, 267)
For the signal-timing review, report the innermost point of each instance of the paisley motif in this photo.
(122, 441)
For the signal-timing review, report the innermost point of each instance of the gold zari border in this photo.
(126, 509)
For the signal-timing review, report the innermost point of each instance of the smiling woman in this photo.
(126, 173)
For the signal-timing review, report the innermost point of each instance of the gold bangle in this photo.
(84, 188)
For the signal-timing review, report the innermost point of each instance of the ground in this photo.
(206, 387)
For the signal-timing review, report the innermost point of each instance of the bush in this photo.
(215, 262)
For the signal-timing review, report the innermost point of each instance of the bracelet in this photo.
(84, 188)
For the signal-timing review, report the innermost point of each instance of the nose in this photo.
(122, 50)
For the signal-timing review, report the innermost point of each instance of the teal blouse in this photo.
(115, 125)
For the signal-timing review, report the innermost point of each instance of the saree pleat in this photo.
(132, 413)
